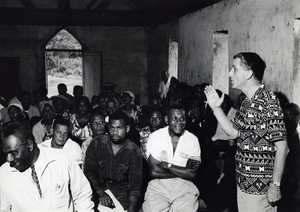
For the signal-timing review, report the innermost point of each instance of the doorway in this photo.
(63, 62)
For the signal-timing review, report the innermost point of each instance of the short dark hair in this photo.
(61, 85)
(153, 109)
(78, 88)
(175, 107)
(119, 115)
(19, 130)
(254, 62)
(61, 121)
(87, 102)
(95, 113)
(114, 100)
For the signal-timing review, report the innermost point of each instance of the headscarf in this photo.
(130, 94)
(43, 103)
(16, 103)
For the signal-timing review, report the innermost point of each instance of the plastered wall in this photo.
(265, 27)
(133, 57)
(158, 51)
(124, 53)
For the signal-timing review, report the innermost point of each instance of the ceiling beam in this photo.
(84, 17)
(91, 4)
(103, 5)
(27, 4)
(183, 5)
(142, 4)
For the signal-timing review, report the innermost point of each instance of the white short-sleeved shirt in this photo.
(71, 148)
(161, 148)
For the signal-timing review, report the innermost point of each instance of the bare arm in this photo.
(215, 102)
(161, 169)
(187, 173)
(280, 157)
(133, 200)
(157, 171)
(274, 193)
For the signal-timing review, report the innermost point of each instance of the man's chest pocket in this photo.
(122, 172)
(60, 190)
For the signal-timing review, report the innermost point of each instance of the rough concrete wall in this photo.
(158, 51)
(265, 27)
(124, 53)
(25, 42)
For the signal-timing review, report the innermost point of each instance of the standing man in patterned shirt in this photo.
(261, 135)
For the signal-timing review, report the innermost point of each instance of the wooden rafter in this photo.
(91, 4)
(83, 17)
(147, 13)
(103, 5)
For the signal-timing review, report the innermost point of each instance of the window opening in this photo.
(296, 72)
(173, 59)
(220, 77)
(63, 62)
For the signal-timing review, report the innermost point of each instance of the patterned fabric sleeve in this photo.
(276, 125)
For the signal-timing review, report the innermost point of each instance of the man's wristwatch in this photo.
(276, 183)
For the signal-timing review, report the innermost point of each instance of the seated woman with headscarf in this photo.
(130, 108)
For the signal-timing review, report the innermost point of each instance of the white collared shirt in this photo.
(63, 185)
(161, 148)
(71, 148)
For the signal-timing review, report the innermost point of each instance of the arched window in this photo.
(63, 62)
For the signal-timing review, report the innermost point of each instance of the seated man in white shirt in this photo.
(40, 179)
(60, 140)
(174, 159)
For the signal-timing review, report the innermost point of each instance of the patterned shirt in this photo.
(260, 124)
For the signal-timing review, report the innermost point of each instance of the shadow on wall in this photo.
(282, 98)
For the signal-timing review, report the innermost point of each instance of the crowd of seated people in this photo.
(95, 125)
